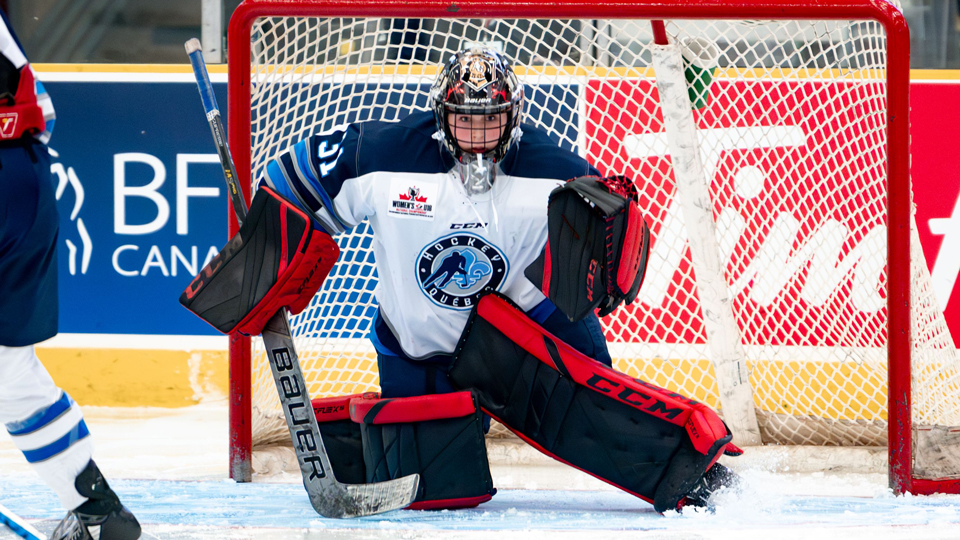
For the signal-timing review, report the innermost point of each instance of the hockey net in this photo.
(792, 137)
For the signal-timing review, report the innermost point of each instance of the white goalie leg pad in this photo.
(43, 422)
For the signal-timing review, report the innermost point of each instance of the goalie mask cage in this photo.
(770, 143)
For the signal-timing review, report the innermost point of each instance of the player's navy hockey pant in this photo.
(29, 224)
(401, 376)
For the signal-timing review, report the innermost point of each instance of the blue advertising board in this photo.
(142, 204)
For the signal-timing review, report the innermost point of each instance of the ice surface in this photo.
(170, 468)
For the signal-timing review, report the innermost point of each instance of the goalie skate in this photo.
(715, 479)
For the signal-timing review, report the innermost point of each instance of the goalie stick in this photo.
(19, 527)
(329, 497)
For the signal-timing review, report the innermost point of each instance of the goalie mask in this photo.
(478, 103)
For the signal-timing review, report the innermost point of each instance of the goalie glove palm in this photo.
(597, 247)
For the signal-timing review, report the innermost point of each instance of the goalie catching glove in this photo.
(278, 259)
(597, 246)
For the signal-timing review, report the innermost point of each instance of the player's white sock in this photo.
(43, 422)
(25, 385)
(60, 471)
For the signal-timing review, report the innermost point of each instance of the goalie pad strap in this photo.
(633, 435)
(412, 409)
(341, 437)
(332, 409)
(438, 436)
(278, 259)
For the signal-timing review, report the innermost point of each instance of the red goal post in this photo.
(886, 143)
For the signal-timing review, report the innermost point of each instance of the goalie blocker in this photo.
(640, 438)
(439, 436)
(277, 259)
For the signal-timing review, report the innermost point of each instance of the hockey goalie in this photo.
(496, 250)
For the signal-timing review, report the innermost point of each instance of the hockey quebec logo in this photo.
(454, 270)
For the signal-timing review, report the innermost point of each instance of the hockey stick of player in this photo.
(329, 497)
(19, 527)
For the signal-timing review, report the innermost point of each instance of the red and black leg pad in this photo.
(640, 438)
(438, 436)
(278, 259)
(341, 437)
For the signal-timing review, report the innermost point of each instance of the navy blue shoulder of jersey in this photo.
(314, 170)
(405, 146)
(538, 156)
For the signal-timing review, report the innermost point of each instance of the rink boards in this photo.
(142, 208)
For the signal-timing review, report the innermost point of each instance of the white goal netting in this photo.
(792, 140)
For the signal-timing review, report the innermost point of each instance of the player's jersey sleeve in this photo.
(314, 172)
(46, 105)
(337, 175)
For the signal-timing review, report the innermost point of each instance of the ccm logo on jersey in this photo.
(411, 200)
(474, 225)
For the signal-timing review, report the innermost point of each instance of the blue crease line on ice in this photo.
(227, 504)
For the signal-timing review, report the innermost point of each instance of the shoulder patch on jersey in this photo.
(455, 269)
(412, 198)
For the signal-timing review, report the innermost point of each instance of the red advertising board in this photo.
(814, 276)
(935, 171)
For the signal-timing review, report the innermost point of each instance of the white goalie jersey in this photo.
(436, 248)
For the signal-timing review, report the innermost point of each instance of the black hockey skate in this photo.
(713, 480)
(102, 517)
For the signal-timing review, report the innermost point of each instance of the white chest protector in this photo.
(437, 249)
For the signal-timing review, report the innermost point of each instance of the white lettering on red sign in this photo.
(799, 200)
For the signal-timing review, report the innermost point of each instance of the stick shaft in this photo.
(209, 100)
(329, 497)
(17, 524)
